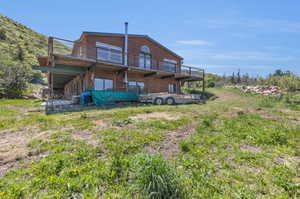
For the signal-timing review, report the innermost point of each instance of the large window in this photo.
(103, 84)
(169, 65)
(145, 57)
(145, 60)
(134, 86)
(108, 52)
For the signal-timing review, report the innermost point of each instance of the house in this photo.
(113, 61)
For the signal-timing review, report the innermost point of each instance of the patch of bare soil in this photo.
(291, 162)
(87, 136)
(289, 111)
(249, 148)
(172, 140)
(225, 96)
(101, 124)
(147, 116)
(277, 117)
(239, 111)
(14, 152)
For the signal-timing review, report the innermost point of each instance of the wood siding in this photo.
(153, 84)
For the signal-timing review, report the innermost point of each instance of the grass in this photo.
(155, 178)
(242, 146)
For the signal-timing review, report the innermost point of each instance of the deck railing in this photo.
(77, 49)
(191, 71)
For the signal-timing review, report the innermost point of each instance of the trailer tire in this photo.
(170, 101)
(159, 101)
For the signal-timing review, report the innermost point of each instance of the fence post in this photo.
(203, 81)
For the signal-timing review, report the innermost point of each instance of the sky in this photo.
(221, 36)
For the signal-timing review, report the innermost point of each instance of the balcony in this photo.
(115, 55)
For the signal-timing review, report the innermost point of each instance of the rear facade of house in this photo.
(111, 61)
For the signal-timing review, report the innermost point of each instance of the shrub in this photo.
(205, 94)
(289, 82)
(211, 85)
(185, 146)
(2, 35)
(154, 178)
(13, 81)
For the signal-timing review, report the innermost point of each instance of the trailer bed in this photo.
(170, 98)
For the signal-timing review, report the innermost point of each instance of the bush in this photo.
(205, 94)
(13, 81)
(211, 85)
(289, 82)
(154, 178)
(2, 35)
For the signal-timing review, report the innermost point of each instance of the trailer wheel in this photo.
(159, 101)
(170, 101)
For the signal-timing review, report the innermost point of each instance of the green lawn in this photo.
(236, 146)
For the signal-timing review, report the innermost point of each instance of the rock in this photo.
(263, 90)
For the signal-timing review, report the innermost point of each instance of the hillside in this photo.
(21, 44)
(237, 146)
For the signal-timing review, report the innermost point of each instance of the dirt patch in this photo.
(147, 116)
(277, 117)
(20, 162)
(291, 162)
(101, 124)
(14, 152)
(235, 111)
(289, 111)
(249, 148)
(86, 136)
(172, 140)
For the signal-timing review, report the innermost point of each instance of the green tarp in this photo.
(111, 97)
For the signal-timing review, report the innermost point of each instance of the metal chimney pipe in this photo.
(126, 45)
(126, 54)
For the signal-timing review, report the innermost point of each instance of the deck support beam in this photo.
(122, 70)
(68, 70)
(150, 74)
(167, 76)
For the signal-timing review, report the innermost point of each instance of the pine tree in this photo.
(238, 77)
(232, 80)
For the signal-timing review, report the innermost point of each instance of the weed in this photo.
(155, 178)
(186, 145)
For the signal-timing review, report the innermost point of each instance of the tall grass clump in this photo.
(154, 178)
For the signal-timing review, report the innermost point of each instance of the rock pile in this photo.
(263, 90)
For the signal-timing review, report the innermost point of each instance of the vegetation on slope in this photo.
(20, 44)
(233, 147)
(19, 49)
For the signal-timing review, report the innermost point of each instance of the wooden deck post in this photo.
(203, 81)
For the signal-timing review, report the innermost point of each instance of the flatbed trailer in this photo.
(170, 99)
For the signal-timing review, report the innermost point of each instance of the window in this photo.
(103, 84)
(145, 57)
(172, 88)
(145, 60)
(169, 65)
(108, 52)
(135, 86)
(80, 51)
(145, 49)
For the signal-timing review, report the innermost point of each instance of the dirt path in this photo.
(171, 144)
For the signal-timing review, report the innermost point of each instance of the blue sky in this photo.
(222, 36)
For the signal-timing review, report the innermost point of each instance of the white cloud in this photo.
(266, 25)
(194, 42)
(257, 25)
